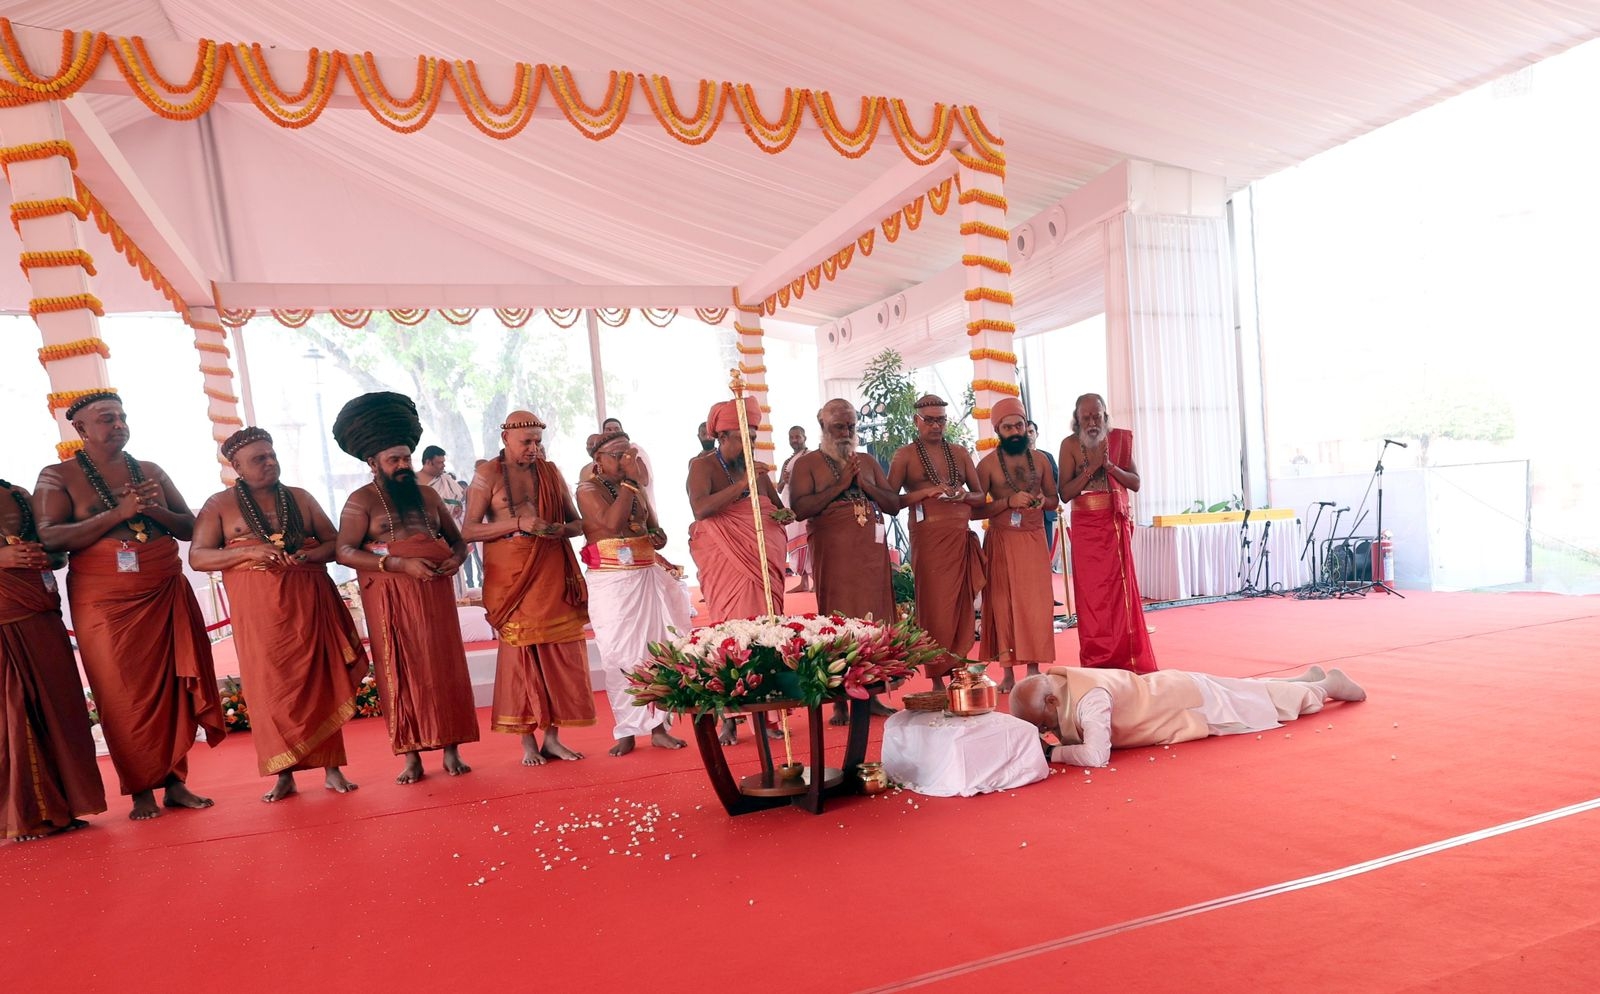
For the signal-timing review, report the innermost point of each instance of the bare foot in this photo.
(553, 748)
(1313, 675)
(144, 806)
(1342, 688)
(841, 714)
(412, 771)
(71, 826)
(180, 796)
(334, 779)
(730, 732)
(773, 731)
(1009, 682)
(283, 788)
(530, 751)
(622, 748)
(1033, 669)
(880, 709)
(663, 739)
(453, 763)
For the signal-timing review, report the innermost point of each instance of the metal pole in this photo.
(315, 355)
(596, 368)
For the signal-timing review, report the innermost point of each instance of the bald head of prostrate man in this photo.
(1034, 700)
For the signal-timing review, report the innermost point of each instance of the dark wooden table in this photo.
(766, 789)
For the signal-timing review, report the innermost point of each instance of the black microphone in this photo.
(1390, 441)
(1343, 509)
(1246, 520)
(1325, 503)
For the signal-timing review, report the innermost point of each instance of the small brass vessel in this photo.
(873, 778)
(972, 692)
(791, 771)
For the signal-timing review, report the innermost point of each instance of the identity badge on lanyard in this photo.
(127, 559)
(1016, 519)
(49, 579)
(380, 549)
(921, 514)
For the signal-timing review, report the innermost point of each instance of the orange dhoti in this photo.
(534, 595)
(1019, 602)
(417, 653)
(48, 774)
(145, 650)
(300, 663)
(1111, 631)
(948, 566)
(850, 562)
(729, 569)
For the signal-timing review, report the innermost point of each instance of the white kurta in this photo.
(1230, 706)
(629, 609)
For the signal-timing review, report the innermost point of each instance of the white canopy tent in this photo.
(1151, 108)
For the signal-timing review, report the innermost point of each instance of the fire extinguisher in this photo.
(1383, 559)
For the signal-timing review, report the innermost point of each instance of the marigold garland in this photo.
(939, 196)
(60, 400)
(352, 318)
(221, 395)
(981, 413)
(222, 371)
(612, 317)
(990, 294)
(402, 116)
(214, 347)
(36, 151)
(458, 316)
(563, 317)
(749, 349)
(797, 288)
(814, 276)
(987, 262)
(711, 315)
(514, 317)
(755, 332)
(891, 227)
(751, 370)
(913, 213)
(70, 302)
(783, 295)
(593, 122)
(998, 355)
(499, 121)
(830, 266)
(771, 137)
(985, 141)
(80, 54)
(28, 210)
(998, 386)
(865, 239)
(993, 168)
(76, 347)
(850, 143)
(408, 316)
(697, 128)
(283, 109)
(985, 230)
(236, 317)
(139, 72)
(921, 149)
(291, 317)
(658, 316)
(30, 261)
(66, 450)
(985, 198)
(978, 327)
(984, 444)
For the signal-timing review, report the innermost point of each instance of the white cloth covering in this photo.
(629, 609)
(944, 756)
(1231, 706)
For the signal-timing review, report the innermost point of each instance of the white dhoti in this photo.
(1233, 706)
(629, 609)
(942, 755)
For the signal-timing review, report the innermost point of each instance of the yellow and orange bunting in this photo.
(80, 54)
(978, 327)
(66, 450)
(36, 151)
(612, 317)
(939, 196)
(865, 239)
(981, 413)
(987, 262)
(222, 371)
(913, 213)
(985, 230)
(711, 315)
(70, 302)
(76, 347)
(752, 370)
(989, 294)
(222, 395)
(514, 317)
(998, 386)
(236, 317)
(770, 305)
(408, 316)
(985, 444)
(891, 226)
(215, 347)
(976, 164)
(401, 115)
(814, 276)
(830, 266)
(693, 129)
(845, 255)
(67, 257)
(749, 349)
(659, 317)
(753, 331)
(563, 317)
(983, 197)
(458, 316)
(848, 142)
(771, 136)
(226, 419)
(499, 121)
(351, 318)
(798, 287)
(292, 317)
(60, 400)
(922, 149)
(740, 305)
(985, 141)
(998, 355)
(124, 244)
(783, 296)
(28, 210)
(200, 324)
(139, 72)
(601, 121)
(287, 110)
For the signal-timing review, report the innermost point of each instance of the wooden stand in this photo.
(764, 790)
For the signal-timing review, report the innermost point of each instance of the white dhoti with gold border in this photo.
(630, 607)
(942, 755)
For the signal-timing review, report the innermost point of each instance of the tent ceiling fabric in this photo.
(1238, 90)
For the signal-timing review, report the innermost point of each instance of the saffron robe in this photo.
(48, 774)
(300, 663)
(724, 551)
(1111, 630)
(851, 563)
(1019, 601)
(537, 603)
(947, 562)
(421, 664)
(145, 650)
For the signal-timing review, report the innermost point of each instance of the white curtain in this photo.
(1183, 362)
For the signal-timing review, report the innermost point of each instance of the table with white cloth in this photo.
(943, 755)
(1179, 561)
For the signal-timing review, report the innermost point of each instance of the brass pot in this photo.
(873, 778)
(972, 692)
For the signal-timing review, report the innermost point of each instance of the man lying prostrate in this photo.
(1092, 711)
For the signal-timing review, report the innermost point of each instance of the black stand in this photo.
(1247, 583)
(1315, 587)
(1264, 568)
(1383, 584)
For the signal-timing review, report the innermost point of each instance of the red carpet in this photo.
(1481, 714)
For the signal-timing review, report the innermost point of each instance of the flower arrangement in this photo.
(94, 709)
(808, 658)
(235, 712)
(367, 705)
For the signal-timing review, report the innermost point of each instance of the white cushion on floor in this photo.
(945, 756)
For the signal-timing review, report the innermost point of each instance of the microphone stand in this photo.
(1247, 585)
(1384, 584)
(1265, 566)
(1314, 586)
